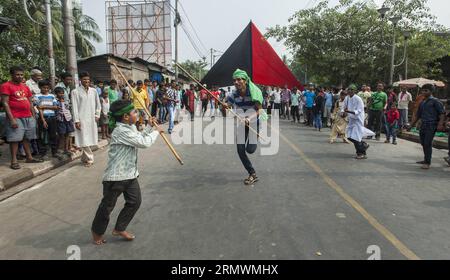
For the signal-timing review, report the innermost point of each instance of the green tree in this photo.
(351, 43)
(196, 68)
(26, 42)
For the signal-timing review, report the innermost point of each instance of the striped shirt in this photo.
(46, 100)
(245, 103)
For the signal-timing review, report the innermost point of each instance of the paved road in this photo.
(314, 201)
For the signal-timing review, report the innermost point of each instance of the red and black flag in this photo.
(252, 53)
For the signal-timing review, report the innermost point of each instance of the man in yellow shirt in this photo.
(140, 98)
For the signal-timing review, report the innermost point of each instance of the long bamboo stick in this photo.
(172, 149)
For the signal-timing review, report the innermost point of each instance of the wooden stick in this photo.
(172, 149)
(222, 103)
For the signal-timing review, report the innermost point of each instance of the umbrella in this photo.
(419, 82)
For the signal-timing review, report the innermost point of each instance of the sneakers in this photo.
(387, 141)
(394, 143)
(251, 180)
(361, 157)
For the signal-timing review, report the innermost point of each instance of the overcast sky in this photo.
(219, 22)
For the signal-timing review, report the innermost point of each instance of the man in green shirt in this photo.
(377, 105)
(113, 93)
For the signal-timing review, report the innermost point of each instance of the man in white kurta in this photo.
(86, 113)
(354, 109)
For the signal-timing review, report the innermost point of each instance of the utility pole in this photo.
(394, 21)
(391, 74)
(69, 39)
(177, 21)
(51, 55)
(49, 27)
(212, 53)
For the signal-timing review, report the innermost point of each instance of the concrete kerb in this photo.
(438, 143)
(25, 174)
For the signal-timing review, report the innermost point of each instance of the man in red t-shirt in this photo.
(21, 121)
(190, 102)
(216, 93)
(204, 98)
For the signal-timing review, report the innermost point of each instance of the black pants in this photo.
(48, 136)
(427, 132)
(361, 147)
(243, 149)
(270, 108)
(309, 116)
(154, 109)
(277, 106)
(204, 106)
(295, 113)
(111, 191)
(375, 121)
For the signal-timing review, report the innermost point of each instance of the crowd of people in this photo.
(373, 112)
(40, 122)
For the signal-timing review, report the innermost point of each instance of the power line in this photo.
(192, 26)
(189, 35)
(192, 41)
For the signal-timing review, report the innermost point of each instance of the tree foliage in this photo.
(195, 68)
(26, 43)
(352, 43)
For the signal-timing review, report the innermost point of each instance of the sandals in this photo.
(125, 235)
(251, 180)
(15, 166)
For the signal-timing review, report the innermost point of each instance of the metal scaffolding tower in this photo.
(140, 29)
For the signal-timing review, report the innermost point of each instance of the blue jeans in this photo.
(171, 112)
(391, 131)
(162, 112)
(318, 120)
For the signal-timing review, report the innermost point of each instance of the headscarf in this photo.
(121, 112)
(255, 92)
(353, 87)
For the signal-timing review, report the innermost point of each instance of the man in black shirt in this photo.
(432, 113)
